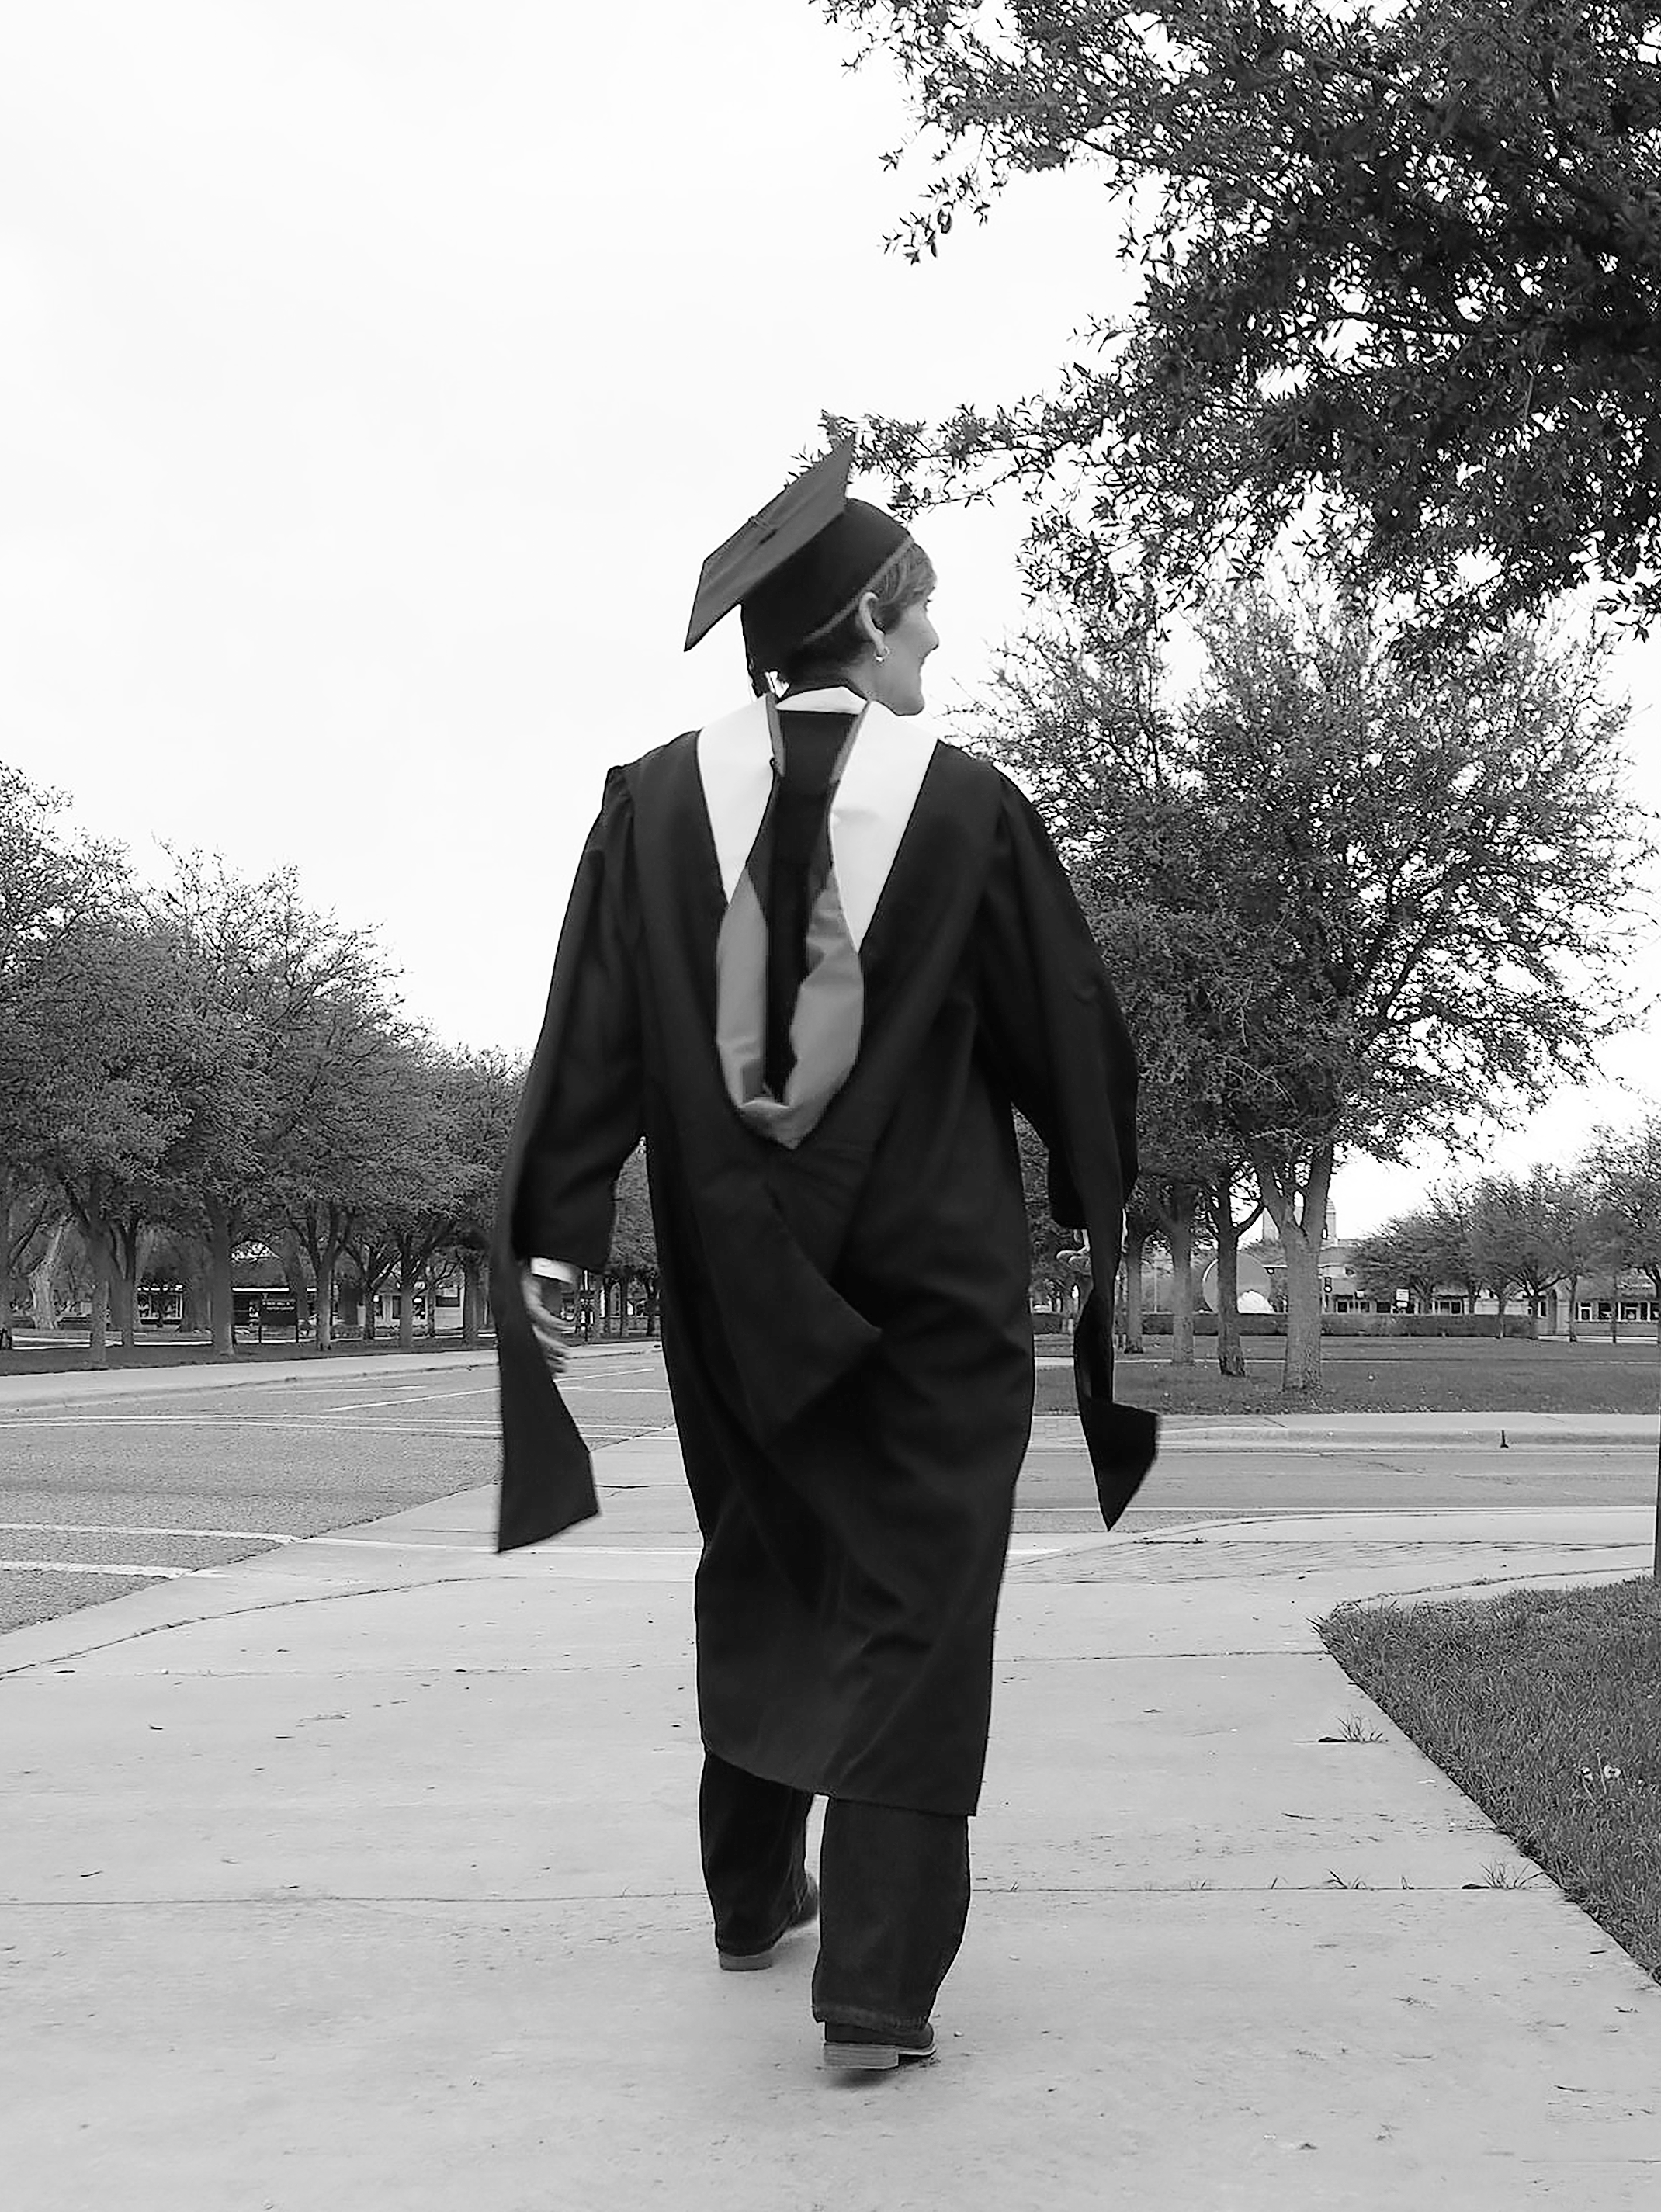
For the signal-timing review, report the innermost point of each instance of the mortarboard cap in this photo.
(801, 564)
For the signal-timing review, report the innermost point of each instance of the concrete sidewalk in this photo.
(364, 1875)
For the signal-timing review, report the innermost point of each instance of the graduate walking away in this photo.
(814, 956)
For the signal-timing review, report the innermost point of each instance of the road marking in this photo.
(1029, 1549)
(407, 1398)
(458, 1543)
(297, 1425)
(91, 1567)
(1234, 1507)
(140, 1528)
(1174, 1445)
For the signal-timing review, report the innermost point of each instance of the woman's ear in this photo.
(867, 612)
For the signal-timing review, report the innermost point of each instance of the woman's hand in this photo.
(544, 1300)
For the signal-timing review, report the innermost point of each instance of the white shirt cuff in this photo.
(553, 1271)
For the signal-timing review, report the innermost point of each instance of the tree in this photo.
(1398, 888)
(1410, 1252)
(1163, 952)
(340, 1162)
(1575, 1232)
(1142, 1232)
(53, 888)
(29, 1209)
(1451, 1211)
(1182, 1144)
(1046, 1239)
(286, 1006)
(1518, 1231)
(634, 1254)
(1625, 1173)
(424, 1175)
(1228, 1229)
(107, 1027)
(1400, 263)
(484, 1092)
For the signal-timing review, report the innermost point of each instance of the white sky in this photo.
(375, 375)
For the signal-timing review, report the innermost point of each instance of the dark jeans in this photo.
(894, 1891)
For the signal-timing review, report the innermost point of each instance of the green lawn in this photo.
(1544, 1706)
(1392, 1375)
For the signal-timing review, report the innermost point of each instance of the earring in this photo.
(882, 652)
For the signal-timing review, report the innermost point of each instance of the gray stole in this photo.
(873, 788)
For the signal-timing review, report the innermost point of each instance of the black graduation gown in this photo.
(846, 1326)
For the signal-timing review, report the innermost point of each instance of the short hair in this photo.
(902, 582)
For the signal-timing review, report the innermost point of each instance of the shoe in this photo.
(748, 1962)
(876, 2049)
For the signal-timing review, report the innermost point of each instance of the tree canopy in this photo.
(1547, 1227)
(210, 1066)
(1625, 1205)
(1346, 899)
(1400, 285)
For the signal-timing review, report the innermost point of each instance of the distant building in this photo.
(1341, 1291)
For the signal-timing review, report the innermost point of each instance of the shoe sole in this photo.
(745, 1962)
(875, 2057)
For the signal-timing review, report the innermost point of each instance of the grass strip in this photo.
(1386, 1376)
(1544, 1706)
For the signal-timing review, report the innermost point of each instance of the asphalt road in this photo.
(106, 1484)
(99, 1494)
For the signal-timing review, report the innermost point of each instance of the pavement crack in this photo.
(234, 1613)
(1312, 1650)
(244, 1900)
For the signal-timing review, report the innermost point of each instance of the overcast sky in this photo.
(375, 375)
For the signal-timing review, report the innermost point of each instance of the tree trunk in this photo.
(406, 1289)
(5, 1247)
(1299, 1229)
(1179, 1232)
(470, 1262)
(1134, 1247)
(1231, 1353)
(1615, 1305)
(293, 1258)
(1303, 1267)
(193, 1305)
(221, 1302)
(1574, 1300)
(127, 1255)
(323, 1319)
(652, 1306)
(98, 1259)
(431, 1283)
(42, 1299)
(129, 1286)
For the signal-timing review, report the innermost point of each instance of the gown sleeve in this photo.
(583, 1098)
(579, 1120)
(1057, 1040)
